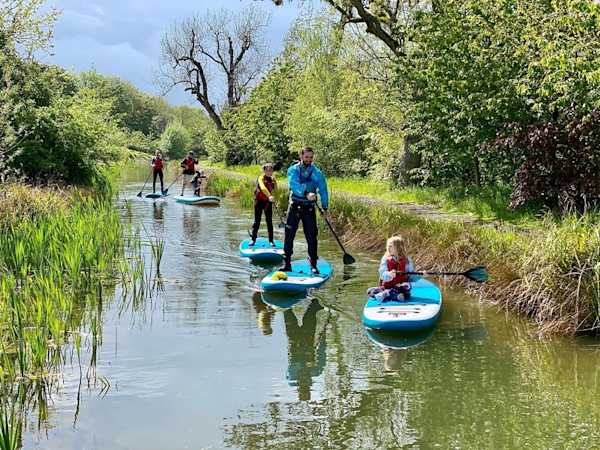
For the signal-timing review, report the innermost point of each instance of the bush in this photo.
(175, 141)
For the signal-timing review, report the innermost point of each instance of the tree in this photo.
(175, 140)
(200, 49)
(24, 28)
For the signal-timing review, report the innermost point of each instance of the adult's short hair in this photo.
(306, 150)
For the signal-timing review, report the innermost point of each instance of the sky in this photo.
(122, 37)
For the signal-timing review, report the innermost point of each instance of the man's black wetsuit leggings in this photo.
(307, 214)
(158, 173)
(259, 207)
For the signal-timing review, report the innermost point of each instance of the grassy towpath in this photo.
(482, 207)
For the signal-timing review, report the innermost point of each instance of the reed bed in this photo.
(62, 252)
(550, 273)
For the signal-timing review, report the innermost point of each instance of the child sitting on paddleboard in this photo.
(197, 182)
(263, 201)
(394, 285)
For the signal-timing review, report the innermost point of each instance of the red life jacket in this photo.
(190, 164)
(157, 163)
(270, 185)
(398, 266)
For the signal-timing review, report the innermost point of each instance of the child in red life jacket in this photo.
(263, 201)
(393, 284)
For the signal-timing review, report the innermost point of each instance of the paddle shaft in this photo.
(331, 227)
(145, 182)
(173, 182)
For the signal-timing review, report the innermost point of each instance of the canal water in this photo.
(207, 363)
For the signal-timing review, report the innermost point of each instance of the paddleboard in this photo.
(155, 195)
(421, 311)
(299, 279)
(262, 250)
(195, 200)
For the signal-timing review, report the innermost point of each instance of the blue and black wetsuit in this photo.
(303, 180)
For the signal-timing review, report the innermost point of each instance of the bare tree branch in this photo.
(200, 51)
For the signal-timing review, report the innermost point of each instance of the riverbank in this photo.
(551, 273)
(62, 252)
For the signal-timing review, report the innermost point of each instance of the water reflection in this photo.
(158, 211)
(306, 351)
(264, 315)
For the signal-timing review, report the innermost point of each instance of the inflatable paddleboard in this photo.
(299, 279)
(421, 311)
(262, 250)
(155, 195)
(195, 200)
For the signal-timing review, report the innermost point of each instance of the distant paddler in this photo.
(189, 169)
(157, 171)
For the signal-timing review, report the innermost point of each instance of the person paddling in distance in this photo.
(305, 180)
(263, 201)
(189, 169)
(394, 285)
(157, 171)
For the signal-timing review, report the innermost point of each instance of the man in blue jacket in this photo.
(304, 181)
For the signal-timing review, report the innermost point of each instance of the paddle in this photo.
(147, 178)
(348, 259)
(278, 211)
(478, 274)
(166, 191)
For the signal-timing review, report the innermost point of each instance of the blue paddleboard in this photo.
(299, 279)
(262, 250)
(195, 200)
(155, 195)
(421, 311)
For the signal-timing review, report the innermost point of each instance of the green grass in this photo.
(61, 252)
(484, 204)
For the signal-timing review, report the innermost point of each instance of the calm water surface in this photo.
(207, 364)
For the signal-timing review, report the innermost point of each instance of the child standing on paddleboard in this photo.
(197, 182)
(394, 285)
(263, 201)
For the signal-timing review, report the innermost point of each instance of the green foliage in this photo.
(135, 110)
(175, 140)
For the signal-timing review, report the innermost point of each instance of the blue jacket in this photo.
(302, 181)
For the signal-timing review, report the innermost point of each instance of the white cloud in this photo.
(122, 37)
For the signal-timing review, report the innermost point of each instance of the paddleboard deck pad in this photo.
(262, 250)
(195, 200)
(299, 279)
(419, 312)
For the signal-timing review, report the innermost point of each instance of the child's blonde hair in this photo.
(398, 243)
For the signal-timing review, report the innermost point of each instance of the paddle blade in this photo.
(477, 274)
(139, 194)
(348, 259)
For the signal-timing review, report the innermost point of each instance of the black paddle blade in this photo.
(348, 259)
(477, 274)
(139, 194)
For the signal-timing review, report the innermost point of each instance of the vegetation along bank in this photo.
(549, 271)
